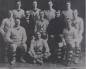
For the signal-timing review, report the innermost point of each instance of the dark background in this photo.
(5, 5)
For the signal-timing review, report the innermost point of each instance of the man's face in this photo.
(34, 4)
(10, 14)
(18, 4)
(58, 14)
(17, 22)
(38, 35)
(50, 4)
(27, 13)
(68, 20)
(68, 5)
(41, 14)
(75, 13)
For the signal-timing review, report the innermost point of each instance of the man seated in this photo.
(39, 49)
(16, 39)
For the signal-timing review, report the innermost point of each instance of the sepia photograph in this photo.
(42, 34)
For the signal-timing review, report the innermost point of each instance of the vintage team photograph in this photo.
(42, 34)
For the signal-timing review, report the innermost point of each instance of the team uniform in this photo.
(50, 14)
(69, 36)
(7, 24)
(68, 14)
(41, 26)
(78, 25)
(35, 14)
(39, 50)
(16, 39)
(18, 13)
(61, 50)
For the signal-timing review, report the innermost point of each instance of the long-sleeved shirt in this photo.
(18, 13)
(78, 24)
(7, 23)
(35, 14)
(16, 35)
(39, 46)
(41, 26)
(70, 35)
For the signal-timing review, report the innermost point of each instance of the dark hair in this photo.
(18, 0)
(68, 1)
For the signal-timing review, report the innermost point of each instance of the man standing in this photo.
(41, 25)
(50, 14)
(7, 23)
(18, 12)
(34, 16)
(69, 35)
(39, 49)
(35, 11)
(78, 25)
(16, 40)
(68, 13)
(54, 29)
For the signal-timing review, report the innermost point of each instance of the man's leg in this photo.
(77, 52)
(70, 52)
(39, 59)
(12, 53)
(21, 52)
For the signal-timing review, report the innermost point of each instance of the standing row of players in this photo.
(47, 32)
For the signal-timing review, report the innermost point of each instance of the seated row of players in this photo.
(61, 31)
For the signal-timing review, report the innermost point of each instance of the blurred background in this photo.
(5, 5)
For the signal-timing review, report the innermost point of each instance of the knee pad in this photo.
(11, 50)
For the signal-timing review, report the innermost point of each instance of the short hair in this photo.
(41, 12)
(50, 1)
(37, 33)
(18, 1)
(9, 12)
(34, 1)
(68, 1)
(76, 10)
(58, 11)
